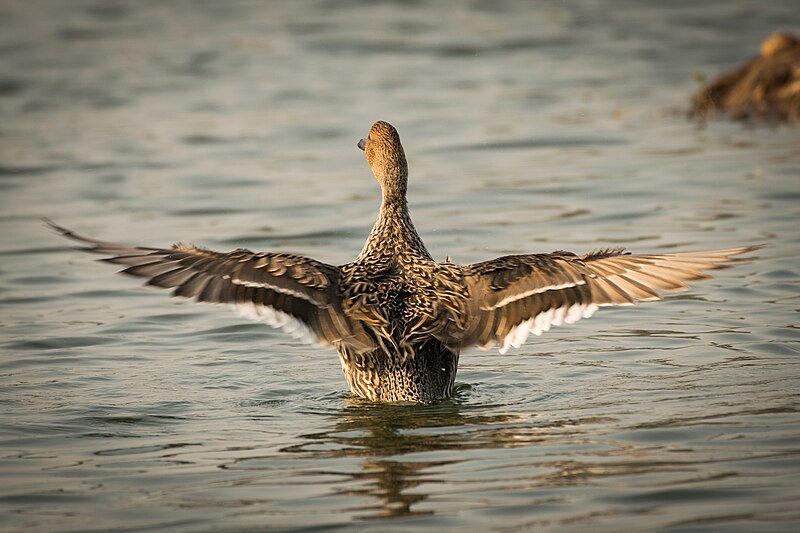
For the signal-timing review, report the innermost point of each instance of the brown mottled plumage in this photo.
(398, 318)
(766, 87)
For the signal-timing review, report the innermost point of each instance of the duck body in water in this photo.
(397, 318)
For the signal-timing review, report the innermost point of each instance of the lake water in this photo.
(529, 126)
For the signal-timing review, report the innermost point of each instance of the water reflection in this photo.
(401, 473)
(385, 435)
(391, 439)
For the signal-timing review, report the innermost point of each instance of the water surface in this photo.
(529, 127)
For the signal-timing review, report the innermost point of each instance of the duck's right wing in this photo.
(292, 292)
(516, 295)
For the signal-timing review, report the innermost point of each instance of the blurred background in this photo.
(529, 126)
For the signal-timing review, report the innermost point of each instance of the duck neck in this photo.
(394, 234)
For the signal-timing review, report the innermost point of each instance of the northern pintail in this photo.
(397, 317)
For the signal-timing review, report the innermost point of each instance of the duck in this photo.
(397, 318)
(766, 88)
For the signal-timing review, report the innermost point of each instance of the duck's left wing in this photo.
(292, 292)
(516, 295)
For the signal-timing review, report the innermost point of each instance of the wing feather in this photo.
(514, 296)
(501, 301)
(289, 291)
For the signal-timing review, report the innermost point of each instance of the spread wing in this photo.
(516, 295)
(288, 291)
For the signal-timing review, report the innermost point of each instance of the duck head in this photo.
(386, 158)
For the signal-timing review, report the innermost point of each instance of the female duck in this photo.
(397, 318)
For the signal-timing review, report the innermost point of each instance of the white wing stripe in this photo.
(278, 319)
(537, 325)
(518, 296)
(257, 285)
